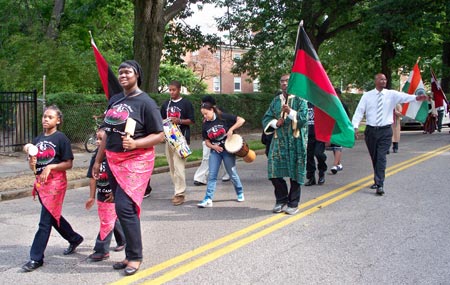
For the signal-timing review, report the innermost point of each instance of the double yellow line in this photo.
(224, 245)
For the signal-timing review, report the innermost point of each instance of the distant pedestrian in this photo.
(396, 127)
(315, 150)
(54, 157)
(337, 149)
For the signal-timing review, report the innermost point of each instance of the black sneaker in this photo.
(321, 180)
(311, 181)
(32, 265)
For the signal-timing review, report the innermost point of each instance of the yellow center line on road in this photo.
(183, 269)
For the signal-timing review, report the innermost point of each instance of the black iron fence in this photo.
(18, 119)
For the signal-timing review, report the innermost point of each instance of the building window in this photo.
(256, 85)
(216, 84)
(237, 84)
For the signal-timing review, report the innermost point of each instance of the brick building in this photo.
(214, 68)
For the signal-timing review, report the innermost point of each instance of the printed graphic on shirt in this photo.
(103, 179)
(174, 111)
(216, 133)
(310, 115)
(46, 152)
(118, 114)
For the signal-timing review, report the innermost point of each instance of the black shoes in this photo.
(198, 183)
(374, 186)
(97, 256)
(119, 247)
(321, 180)
(120, 265)
(130, 270)
(148, 190)
(32, 265)
(72, 247)
(311, 181)
(380, 191)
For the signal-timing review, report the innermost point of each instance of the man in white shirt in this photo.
(378, 105)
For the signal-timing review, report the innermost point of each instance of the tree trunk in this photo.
(387, 54)
(55, 20)
(148, 43)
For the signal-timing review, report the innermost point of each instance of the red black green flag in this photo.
(109, 80)
(309, 81)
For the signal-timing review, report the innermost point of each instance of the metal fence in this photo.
(18, 119)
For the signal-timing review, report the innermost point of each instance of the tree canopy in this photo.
(355, 39)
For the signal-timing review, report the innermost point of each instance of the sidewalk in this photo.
(16, 165)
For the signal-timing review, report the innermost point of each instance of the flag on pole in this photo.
(414, 86)
(439, 95)
(309, 81)
(109, 80)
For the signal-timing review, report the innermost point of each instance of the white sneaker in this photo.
(334, 169)
(226, 177)
(206, 203)
(340, 167)
(240, 197)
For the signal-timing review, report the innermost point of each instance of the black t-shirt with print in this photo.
(52, 149)
(216, 130)
(311, 132)
(182, 109)
(141, 108)
(102, 186)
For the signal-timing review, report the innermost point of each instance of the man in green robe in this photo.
(286, 118)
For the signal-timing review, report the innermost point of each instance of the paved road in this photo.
(344, 234)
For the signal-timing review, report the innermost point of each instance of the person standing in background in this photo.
(315, 150)
(181, 112)
(396, 127)
(337, 149)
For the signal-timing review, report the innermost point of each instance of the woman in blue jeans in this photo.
(216, 128)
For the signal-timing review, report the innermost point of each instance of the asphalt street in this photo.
(343, 234)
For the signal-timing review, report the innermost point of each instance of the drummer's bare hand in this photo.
(229, 133)
(286, 108)
(175, 120)
(280, 122)
(32, 162)
(128, 143)
(218, 148)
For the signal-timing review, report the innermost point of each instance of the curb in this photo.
(26, 192)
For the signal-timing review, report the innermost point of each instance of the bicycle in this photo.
(90, 143)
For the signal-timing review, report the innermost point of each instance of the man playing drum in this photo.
(181, 112)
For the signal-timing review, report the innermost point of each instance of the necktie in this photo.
(379, 109)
